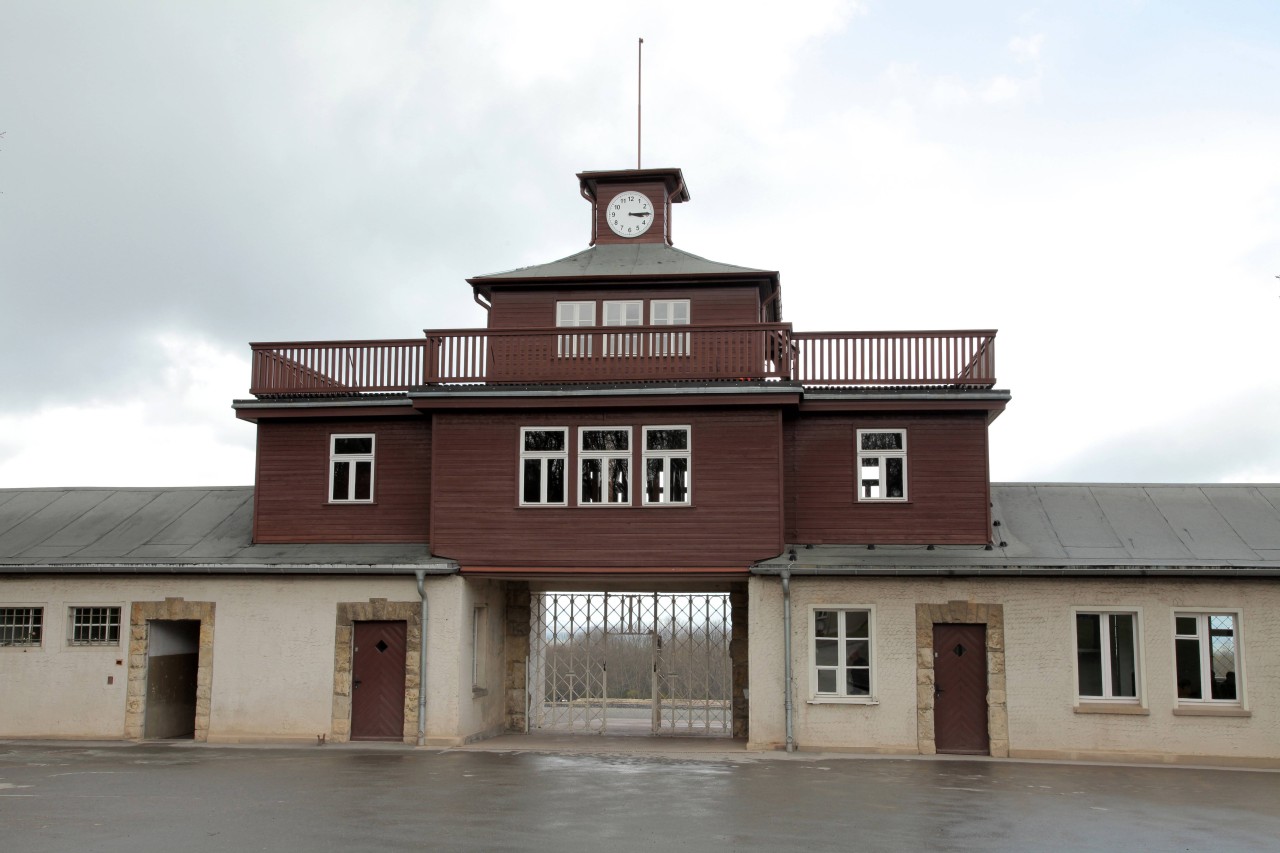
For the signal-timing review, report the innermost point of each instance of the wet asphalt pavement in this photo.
(170, 797)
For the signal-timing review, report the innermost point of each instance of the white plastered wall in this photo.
(273, 655)
(1039, 668)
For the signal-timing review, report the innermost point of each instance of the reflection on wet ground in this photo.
(57, 797)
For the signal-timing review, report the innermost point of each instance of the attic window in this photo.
(351, 469)
(882, 465)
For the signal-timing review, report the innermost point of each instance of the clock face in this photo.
(629, 214)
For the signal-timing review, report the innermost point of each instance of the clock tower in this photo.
(632, 205)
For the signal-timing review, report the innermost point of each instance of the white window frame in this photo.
(574, 315)
(605, 457)
(626, 312)
(1139, 658)
(544, 457)
(34, 620)
(666, 457)
(817, 697)
(1202, 636)
(352, 461)
(883, 456)
(669, 343)
(78, 619)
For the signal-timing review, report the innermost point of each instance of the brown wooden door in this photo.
(377, 681)
(960, 689)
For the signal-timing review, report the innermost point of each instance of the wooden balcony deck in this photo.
(964, 359)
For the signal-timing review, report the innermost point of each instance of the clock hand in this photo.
(641, 215)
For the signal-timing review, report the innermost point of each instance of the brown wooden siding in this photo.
(735, 518)
(947, 489)
(657, 194)
(708, 304)
(291, 498)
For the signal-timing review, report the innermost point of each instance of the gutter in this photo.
(786, 659)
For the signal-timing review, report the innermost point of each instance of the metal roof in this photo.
(624, 260)
(1084, 529)
(190, 530)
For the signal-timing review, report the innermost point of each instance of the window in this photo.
(1207, 656)
(666, 465)
(669, 312)
(94, 626)
(882, 465)
(544, 452)
(351, 469)
(1107, 655)
(21, 626)
(573, 315)
(623, 314)
(604, 463)
(841, 653)
(479, 615)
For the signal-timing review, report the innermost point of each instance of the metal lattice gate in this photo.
(630, 663)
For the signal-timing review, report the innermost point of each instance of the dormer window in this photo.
(882, 465)
(351, 469)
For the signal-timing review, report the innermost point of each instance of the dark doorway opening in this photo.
(960, 689)
(173, 658)
(378, 680)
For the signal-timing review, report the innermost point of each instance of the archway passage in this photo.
(631, 663)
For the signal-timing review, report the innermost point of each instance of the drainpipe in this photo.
(786, 655)
(422, 661)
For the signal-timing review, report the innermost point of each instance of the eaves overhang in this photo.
(667, 393)
(230, 568)
(366, 405)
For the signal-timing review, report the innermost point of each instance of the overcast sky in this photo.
(1100, 181)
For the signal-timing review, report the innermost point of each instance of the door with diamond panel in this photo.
(377, 681)
(960, 689)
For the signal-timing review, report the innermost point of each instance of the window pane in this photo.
(653, 480)
(824, 623)
(1185, 625)
(341, 481)
(893, 474)
(364, 481)
(1188, 667)
(1124, 671)
(592, 489)
(555, 481)
(858, 682)
(826, 681)
(882, 441)
(619, 481)
(1089, 654)
(871, 478)
(666, 439)
(1222, 656)
(855, 623)
(544, 439)
(605, 439)
(679, 480)
(856, 653)
(532, 481)
(826, 652)
(353, 445)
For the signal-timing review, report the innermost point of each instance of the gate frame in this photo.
(176, 610)
(961, 612)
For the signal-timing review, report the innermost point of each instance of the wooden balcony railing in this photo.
(625, 354)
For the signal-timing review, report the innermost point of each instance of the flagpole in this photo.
(639, 77)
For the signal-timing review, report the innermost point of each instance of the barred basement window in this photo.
(882, 465)
(94, 626)
(21, 626)
(351, 469)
